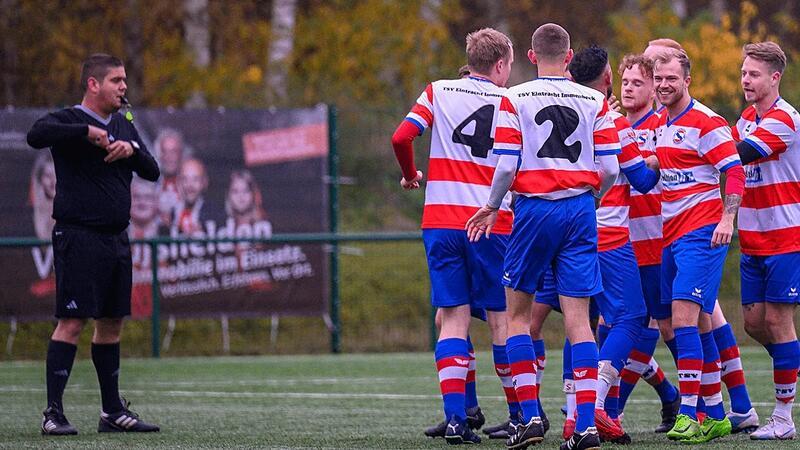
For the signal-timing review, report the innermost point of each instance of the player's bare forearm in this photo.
(732, 203)
(723, 234)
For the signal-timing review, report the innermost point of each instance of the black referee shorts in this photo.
(93, 273)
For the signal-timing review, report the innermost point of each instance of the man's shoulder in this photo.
(701, 112)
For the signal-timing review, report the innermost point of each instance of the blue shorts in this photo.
(557, 234)
(546, 294)
(546, 291)
(773, 278)
(692, 270)
(463, 272)
(651, 288)
(621, 299)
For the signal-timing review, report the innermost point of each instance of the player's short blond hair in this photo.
(665, 42)
(767, 52)
(485, 47)
(550, 42)
(645, 64)
(464, 71)
(680, 56)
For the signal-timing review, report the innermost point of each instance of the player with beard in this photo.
(769, 220)
(694, 145)
(638, 93)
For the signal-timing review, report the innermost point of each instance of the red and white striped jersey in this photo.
(645, 212)
(557, 127)
(692, 148)
(769, 218)
(612, 215)
(462, 114)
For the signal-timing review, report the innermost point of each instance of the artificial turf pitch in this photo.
(310, 401)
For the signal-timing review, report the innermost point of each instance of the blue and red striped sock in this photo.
(503, 371)
(654, 376)
(541, 363)
(612, 400)
(452, 362)
(523, 370)
(637, 364)
(470, 388)
(785, 363)
(568, 379)
(710, 387)
(584, 369)
(690, 368)
(732, 372)
(672, 345)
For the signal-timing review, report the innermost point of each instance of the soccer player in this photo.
(621, 303)
(769, 221)
(694, 145)
(743, 416)
(95, 151)
(638, 93)
(553, 129)
(461, 114)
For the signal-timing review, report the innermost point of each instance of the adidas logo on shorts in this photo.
(72, 305)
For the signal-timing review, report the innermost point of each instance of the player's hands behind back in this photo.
(481, 223)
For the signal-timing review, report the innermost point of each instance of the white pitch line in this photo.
(318, 395)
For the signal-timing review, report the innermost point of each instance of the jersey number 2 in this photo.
(565, 121)
(480, 141)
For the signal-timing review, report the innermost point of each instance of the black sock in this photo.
(60, 356)
(106, 362)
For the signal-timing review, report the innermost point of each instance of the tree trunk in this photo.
(134, 66)
(680, 8)
(198, 39)
(280, 50)
(718, 9)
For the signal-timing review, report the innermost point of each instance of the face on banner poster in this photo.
(239, 173)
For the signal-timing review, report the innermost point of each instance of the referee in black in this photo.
(96, 151)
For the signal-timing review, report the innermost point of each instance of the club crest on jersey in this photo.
(641, 139)
(679, 136)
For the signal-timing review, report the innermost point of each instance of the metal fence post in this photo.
(333, 214)
(155, 316)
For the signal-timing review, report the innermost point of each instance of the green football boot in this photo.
(685, 428)
(711, 429)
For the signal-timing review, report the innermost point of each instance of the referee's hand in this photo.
(98, 136)
(118, 150)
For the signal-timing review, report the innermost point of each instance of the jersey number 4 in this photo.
(565, 121)
(480, 141)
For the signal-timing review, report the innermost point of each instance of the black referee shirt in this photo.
(89, 191)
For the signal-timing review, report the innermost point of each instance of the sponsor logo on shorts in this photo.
(697, 293)
(793, 292)
(506, 276)
(72, 305)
